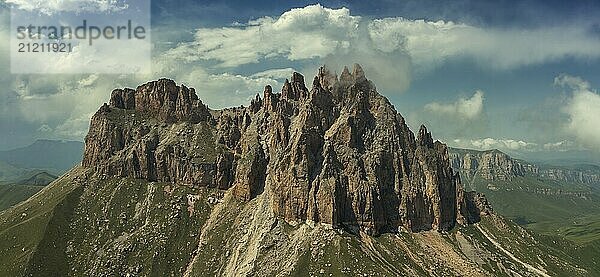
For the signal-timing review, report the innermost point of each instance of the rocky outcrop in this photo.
(494, 165)
(162, 99)
(490, 165)
(591, 177)
(337, 153)
(472, 206)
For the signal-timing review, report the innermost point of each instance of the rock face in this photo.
(472, 206)
(490, 165)
(337, 153)
(494, 165)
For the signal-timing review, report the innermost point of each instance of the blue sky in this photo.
(521, 76)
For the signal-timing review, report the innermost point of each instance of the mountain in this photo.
(24, 171)
(51, 155)
(495, 165)
(11, 195)
(321, 181)
(337, 154)
(550, 199)
(9, 172)
(38, 179)
(14, 193)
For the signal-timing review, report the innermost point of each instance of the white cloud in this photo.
(463, 108)
(492, 143)
(280, 74)
(53, 6)
(431, 43)
(302, 33)
(229, 90)
(583, 110)
(515, 145)
(319, 32)
(314, 35)
(44, 128)
(387, 48)
(89, 81)
(133, 56)
(560, 146)
(575, 83)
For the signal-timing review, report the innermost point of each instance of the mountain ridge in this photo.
(323, 150)
(495, 164)
(56, 156)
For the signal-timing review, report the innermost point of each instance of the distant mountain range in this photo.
(26, 170)
(494, 165)
(54, 156)
(550, 199)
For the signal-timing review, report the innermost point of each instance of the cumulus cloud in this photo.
(492, 143)
(464, 108)
(228, 90)
(302, 33)
(582, 109)
(280, 74)
(431, 43)
(319, 32)
(514, 145)
(54, 6)
(313, 35)
(133, 56)
(561, 146)
(388, 48)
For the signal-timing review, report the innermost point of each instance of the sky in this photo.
(519, 76)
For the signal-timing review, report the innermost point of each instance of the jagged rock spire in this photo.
(358, 74)
(424, 137)
(340, 154)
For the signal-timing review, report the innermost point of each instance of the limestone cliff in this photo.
(495, 165)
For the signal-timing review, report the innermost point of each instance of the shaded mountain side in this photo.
(9, 172)
(23, 186)
(52, 155)
(37, 179)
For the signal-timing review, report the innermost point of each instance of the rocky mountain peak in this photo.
(296, 89)
(346, 76)
(162, 99)
(424, 138)
(358, 74)
(338, 154)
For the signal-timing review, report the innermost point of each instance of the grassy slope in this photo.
(553, 217)
(103, 227)
(22, 227)
(11, 195)
(547, 214)
(531, 247)
(584, 229)
(124, 226)
(131, 226)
